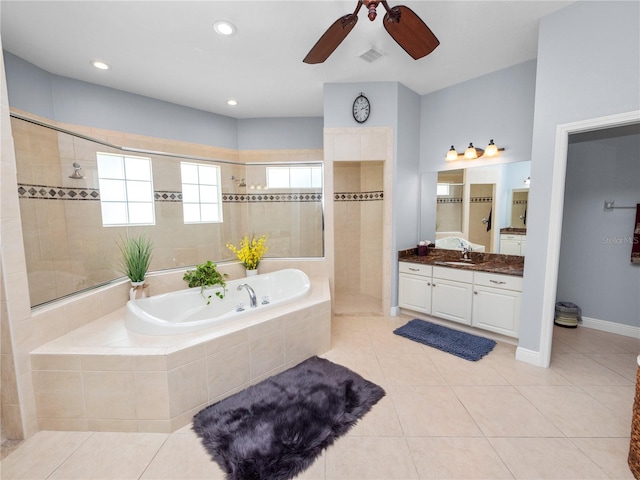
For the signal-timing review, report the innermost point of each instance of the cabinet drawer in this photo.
(506, 282)
(508, 236)
(415, 268)
(454, 274)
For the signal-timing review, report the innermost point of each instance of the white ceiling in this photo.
(169, 51)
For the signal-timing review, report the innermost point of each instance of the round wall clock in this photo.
(361, 108)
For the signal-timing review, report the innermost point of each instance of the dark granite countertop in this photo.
(480, 262)
(514, 230)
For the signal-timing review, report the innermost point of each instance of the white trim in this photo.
(555, 218)
(611, 327)
(394, 311)
(529, 356)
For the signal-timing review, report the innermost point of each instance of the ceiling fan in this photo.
(406, 28)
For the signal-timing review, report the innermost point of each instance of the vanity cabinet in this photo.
(451, 294)
(512, 244)
(496, 303)
(484, 300)
(414, 287)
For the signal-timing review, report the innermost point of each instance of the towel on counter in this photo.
(635, 246)
(489, 220)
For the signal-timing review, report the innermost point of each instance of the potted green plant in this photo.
(204, 276)
(135, 257)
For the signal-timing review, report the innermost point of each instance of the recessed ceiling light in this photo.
(233, 102)
(100, 65)
(224, 28)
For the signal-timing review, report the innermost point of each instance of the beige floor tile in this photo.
(458, 371)
(41, 454)
(363, 364)
(579, 369)
(503, 412)
(618, 398)
(109, 455)
(625, 364)
(353, 341)
(520, 373)
(610, 454)
(576, 413)
(364, 458)
(432, 411)
(440, 458)
(409, 369)
(385, 342)
(183, 456)
(545, 458)
(381, 420)
(316, 471)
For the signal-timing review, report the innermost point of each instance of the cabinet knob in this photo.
(434, 284)
(475, 292)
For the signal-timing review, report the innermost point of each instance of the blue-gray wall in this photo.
(588, 67)
(595, 269)
(63, 99)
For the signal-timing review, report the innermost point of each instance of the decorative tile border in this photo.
(271, 197)
(44, 192)
(481, 199)
(377, 195)
(167, 196)
(519, 202)
(449, 200)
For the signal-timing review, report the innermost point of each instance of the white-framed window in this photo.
(299, 176)
(201, 193)
(442, 190)
(126, 190)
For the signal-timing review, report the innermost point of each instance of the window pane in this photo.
(210, 212)
(139, 192)
(277, 177)
(208, 194)
(300, 177)
(191, 212)
(208, 175)
(189, 172)
(190, 193)
(110, 166)
(141, 213)
(112, 190)
(138, 168)
(114, 213)
(316, 177)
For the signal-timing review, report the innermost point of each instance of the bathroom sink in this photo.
(454, 263)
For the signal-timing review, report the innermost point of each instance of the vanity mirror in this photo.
(469, 207)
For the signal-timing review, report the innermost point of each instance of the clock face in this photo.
(361, 109)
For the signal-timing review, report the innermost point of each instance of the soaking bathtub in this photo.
(186, 311)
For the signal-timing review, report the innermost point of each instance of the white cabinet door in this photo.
(510, 247)
(496, 309)
(414, 292)
(452, 300)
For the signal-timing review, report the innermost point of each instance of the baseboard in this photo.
(395, 311)
(611, 327)
(530, 356)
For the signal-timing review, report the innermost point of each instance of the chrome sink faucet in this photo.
(465, 254)
(252, 294)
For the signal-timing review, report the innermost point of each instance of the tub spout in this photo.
(252, 294)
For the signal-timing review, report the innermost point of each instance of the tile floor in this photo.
(442, 418)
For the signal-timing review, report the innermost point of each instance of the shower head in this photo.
(241, 182)
(76, 175)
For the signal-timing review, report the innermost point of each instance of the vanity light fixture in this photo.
(224, 28)
(472, 152)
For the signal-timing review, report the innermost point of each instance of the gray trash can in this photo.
(567, 315)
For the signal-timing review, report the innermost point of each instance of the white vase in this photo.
(138, 290)
(251, 273)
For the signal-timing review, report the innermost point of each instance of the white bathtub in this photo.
(187, 311)
(458, 243)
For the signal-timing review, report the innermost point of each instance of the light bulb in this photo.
(470, 152)
(491, 149)
(452, 154)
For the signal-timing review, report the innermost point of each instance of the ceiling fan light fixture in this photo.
(224, 28)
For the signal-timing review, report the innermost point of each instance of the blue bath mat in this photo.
(462, 344)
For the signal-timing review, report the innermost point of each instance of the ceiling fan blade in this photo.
(330, 40)
(410, 32)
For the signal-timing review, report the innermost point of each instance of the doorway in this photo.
(358, 231)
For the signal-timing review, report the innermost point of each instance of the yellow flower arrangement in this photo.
(250, 252)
